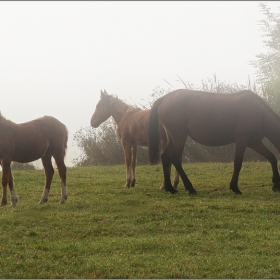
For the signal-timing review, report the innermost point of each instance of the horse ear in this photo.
(105, 92)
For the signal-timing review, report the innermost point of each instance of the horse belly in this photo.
(212, 139)
(208, 133)
(29, 150)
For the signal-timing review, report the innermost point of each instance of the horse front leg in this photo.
(127, 157)
(6, 167)
(163, 144)
(62, 174)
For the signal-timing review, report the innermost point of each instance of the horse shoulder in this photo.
(7, 143)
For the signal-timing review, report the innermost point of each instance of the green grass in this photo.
(106, 231)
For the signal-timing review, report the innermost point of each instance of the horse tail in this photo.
(65, 141)
(153, 133)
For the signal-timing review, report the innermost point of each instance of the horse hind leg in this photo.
(176, 174)
(62, 174)
(175, 180)
(261, 149)
(240, 147)
(127, 148)
(49, 171)
(58, 151)
(14, 197)
(133, 165)
(187, 183)
(166, 165)
(163, 183)
(177, 162)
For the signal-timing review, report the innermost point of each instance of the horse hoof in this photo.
(237, 191)
(42, 201)
(172, 190)
(234, 188)
(63, 199)
(276, 189)
(14, 201)
(133, 182)
(193, 192)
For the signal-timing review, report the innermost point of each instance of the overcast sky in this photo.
(55, 57)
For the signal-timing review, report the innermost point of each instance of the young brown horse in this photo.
(213, 119)
(41, 138)
(132, 126)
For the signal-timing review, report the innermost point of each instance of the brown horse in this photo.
(213, 119)
(41, 138)
(132, 129)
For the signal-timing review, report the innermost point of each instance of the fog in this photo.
(57, 56)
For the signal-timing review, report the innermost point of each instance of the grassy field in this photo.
(106, 231)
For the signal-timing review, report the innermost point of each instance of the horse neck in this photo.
(119, 108)
(5, 124)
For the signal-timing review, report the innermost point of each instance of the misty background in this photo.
(55, 57)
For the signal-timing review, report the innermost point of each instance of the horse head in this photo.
(102, 111)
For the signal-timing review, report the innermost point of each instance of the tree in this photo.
(268, 64)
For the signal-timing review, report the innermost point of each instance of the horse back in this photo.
(47, 126)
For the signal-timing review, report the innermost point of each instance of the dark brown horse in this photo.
(41, 138)
(132, 126)
(213, 119)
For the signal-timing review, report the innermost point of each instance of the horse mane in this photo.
(123, 107)
(4, 121)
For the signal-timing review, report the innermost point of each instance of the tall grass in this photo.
(106, 231)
